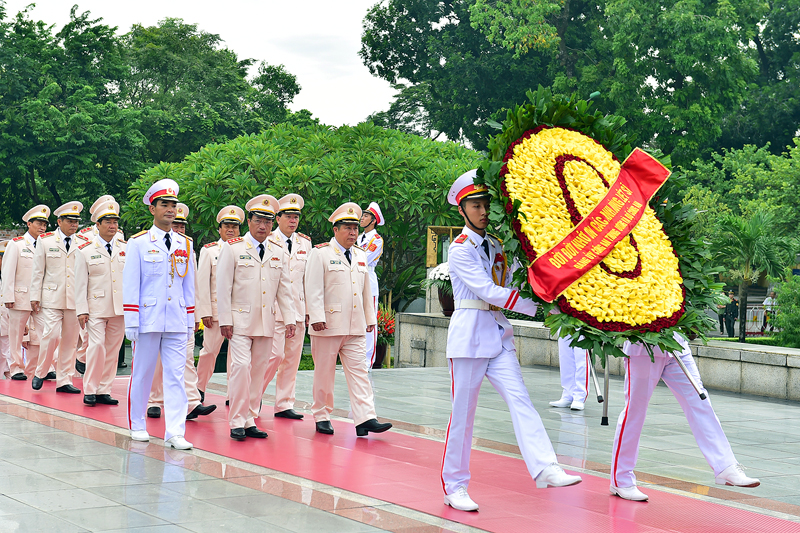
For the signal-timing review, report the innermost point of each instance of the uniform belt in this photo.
(480, 305)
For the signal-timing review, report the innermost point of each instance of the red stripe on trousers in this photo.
(447, 436)
(133, 350)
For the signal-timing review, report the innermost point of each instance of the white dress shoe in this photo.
(140, 435)
(179, 443)
(460, 500)
(629, 493)
(554, 476)
(576, 406)
(734, 475)
(563, 402)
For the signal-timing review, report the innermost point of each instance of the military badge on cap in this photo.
(346, 212)
(263, 205)
(291, 203)
(465, 187)
(181, 213)
(71, 210)
(164, 189)
(231, 214)
(108, 209)
(105, 199)
(41, 211)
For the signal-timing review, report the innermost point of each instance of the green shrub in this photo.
(787, 319)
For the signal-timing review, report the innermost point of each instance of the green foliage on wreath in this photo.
(546, 108)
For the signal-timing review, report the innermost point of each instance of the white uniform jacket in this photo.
(298, 258)
(158, 284)
(248, 287)
(98, 278)
(478, 333)
(17, 270)
(206, 289)
(337, 293)
(53, 278)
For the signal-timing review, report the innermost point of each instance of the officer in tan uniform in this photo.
(90, 232)
(53, 295)
(98, 302)
(5, 355)
(17, 270)
(286, 352)
(252, 273)
(340, 322)
(229, 218)
(195, 401)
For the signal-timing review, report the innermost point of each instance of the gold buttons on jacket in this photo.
(170, 298)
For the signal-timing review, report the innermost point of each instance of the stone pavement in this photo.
(66, 473)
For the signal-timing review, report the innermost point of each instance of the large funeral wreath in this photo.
(551, 164)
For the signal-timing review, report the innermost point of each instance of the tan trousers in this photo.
(248, 360)
(104, 337)
(80, 353)
(289, 352)
(60, 331)
(351, 350)
(16, 331)
(189, 382)
(212, 342)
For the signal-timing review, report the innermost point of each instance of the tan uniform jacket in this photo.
(337, 293)
(98, 279)
(301, 249)
(206, 291)
(247, 287)
(53, 278)
(17, 270)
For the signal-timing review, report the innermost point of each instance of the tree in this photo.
(64, 136)
(749, 247)
(404, 173)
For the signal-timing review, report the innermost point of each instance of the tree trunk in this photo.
(742, 311)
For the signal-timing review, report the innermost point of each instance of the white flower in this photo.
(440, 272)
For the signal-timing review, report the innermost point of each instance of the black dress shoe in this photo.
(201, 410)
(68, 388)
(50, 375)
(90, 399)
(37, 383)
(289, 413)
(227, 402)
(238, 434)
(255, 433)
(19, 376)
(153, 412)
(202, 395)
(80, 367)
(106, 399)
(371, 425)
(325, 427)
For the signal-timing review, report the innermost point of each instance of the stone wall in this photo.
(421, 340)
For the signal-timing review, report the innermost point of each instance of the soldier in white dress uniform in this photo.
(158, 301)
(195, 405)
(573, 366)
(372, 244)
(252, 276)
(90, 232)
(340, 322)
(17, 270)
(641, 377)
(98, 302)
(286, 352)
(480, 342)
(229, 218)
(5, 354)
(53, 295)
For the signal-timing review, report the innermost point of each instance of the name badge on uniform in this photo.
(53, 249)
(244, 257)
(336, 261)
(96, 257)
(152, 251)
(27, 250)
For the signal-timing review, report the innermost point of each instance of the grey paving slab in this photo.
(137, 494)
(186, 510)
(234, 524)
(105, 518)
(63, 499)
(37, 522)
(28, 483)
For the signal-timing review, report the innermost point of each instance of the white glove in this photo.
(132, 334)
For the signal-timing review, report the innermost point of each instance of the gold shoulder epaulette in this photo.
(184, 236)
(139, 234)
(322, 245)
(84, 245)
(123, 242)
(211, 244)
(277, 242)
(495, 236)
(235, 240)
(359, 247)
(303, 235)
(87, 228)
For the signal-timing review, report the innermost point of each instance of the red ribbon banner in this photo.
(640, 176)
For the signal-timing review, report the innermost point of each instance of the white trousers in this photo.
(212, 342)
(350, 349)
(573, 365)
(287, 353)
(641, 378)
(60, 331)
(189, 382)
(16, 332)
(248, 360)
(172, 347)
(103, 339)
(80, 353)
(503, 372)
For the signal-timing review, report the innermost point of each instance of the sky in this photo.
(316, 40)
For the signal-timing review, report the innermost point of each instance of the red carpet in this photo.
(405, 470)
